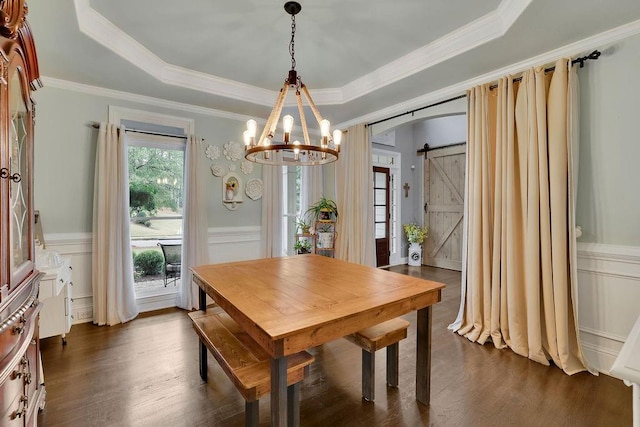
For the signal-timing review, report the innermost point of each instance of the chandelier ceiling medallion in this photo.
(268, 150)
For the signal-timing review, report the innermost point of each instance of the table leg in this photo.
(279, 392)
(423, 355)
(202, 299)
(202, 348)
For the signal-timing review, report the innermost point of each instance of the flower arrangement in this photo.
(415, 233)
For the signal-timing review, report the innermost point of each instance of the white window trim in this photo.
(117, 114)
(394, 169)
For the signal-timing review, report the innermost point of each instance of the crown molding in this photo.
(53, 82)
(97, 27)
(578, 48)
(597, 41)
(482, 30)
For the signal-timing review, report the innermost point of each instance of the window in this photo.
(291, 181)
(156, 170)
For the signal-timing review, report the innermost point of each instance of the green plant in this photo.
(302, 225)
(415, 233)
(302, 246)
(148, 263)
(322, 209)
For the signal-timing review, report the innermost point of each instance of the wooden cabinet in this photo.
(21, 388)
(57, 301)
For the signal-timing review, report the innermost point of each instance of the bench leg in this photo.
(293, 405)
(251, 413)
(203, 360)
(392, 364)
(368, 375)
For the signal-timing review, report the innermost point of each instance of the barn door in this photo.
(444, 170)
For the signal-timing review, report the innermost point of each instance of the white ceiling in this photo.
(361, 59)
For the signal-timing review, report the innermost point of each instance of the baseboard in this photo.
(608, 295)
(157, 302)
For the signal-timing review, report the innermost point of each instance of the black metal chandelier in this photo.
(266, 149)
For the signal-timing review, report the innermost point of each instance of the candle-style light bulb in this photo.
(296, 150)
(324, 127)
(247, 139)
(251, 128)
(266, 143)
(287, 124)
(337, 139)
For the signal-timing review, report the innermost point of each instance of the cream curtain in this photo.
(114, 299)
(520, 277)
(195, 247)
(272, 212)
(311, 186)
(354, 197)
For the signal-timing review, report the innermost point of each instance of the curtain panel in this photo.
(195, 245)
(519, 290)
(355, 240)
(114, 299)
(272, 212)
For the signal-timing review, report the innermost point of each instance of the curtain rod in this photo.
(146, 132)
(592, 56)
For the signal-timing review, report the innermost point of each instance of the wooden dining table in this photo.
(294, 303)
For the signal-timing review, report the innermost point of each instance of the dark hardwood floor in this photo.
(145, 373)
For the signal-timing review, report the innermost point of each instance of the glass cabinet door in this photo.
(20, 262)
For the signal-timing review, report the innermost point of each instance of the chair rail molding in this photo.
(225, 244)
(608, 292)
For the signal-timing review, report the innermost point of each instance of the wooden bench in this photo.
(386, 334)
(246, 364)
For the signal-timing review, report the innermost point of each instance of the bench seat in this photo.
(386, 334)
(246, 364)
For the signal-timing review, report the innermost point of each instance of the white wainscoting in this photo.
(608, 300)
(225, 244)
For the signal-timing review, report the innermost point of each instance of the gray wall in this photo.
(65, 158)
(441, 131)
(608, 205)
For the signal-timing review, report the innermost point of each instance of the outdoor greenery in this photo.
(415, 233)
(148, 263)
(155, 181)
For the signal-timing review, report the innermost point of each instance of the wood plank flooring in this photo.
(145, 373)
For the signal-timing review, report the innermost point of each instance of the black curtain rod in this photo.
(418, 109)
(145, 132)
(592, 56)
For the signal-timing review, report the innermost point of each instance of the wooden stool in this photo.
(246, 364)
(386, 334)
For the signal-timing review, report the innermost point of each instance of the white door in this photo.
(444, 170)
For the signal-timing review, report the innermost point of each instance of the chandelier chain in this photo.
(292, 43)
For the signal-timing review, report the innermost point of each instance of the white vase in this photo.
(415, 254)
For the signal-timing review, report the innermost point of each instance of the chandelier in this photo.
(268, 150)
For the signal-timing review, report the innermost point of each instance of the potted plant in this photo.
(415, 236)
(303, 226)
(323, 210)
(302, 246)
